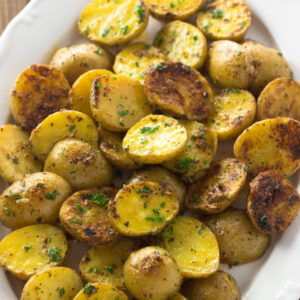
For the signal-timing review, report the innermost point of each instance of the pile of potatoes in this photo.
(119, 153)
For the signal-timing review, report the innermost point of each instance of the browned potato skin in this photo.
(273, 202)
(92, 226)
(219, 286)
(39, 91)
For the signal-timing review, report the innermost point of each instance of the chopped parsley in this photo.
(88, 288)
(53, 195)
(99, 52)
(86, 31)
(243, 24)
(123, 113)
(16, 161)
(121, 122)
(141, 13)
(14, 196)
(74, 171)
(156, 219)
(246, 168)
(80, 209)
(124, 29)
(172, 5)
(263, 219)
(163, 204)
(195, 38)
(6, 211)
(72, 128)
(41, 185)
(185, 163)
(27, 248)
(159, 39)
(76, 220)
(217, 13)
(99, 199)
(105, 32)
(201, 229)
(54, 254)
(146, 189)
(148, 129)
(239, 53)
(61, 292)
(110, 269)
(143, 140)
(235, 91)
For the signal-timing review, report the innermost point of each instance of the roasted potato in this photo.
(280, 98)
(113, 22)
(198, 153)
(54, 283)
(155, 139)
(229, 65)
(28, 250)
(80, 164)
(61, 125)
(219, 286)
(193, 246)
(270, 144)
(179, 90)
(219, 188)
(182, 42)
(84, 216)
(16, 158)
(136, 59)
(233, 110)
(34, 199)
(105, 264)
(151, 273)
(162, 176)
(239, 241)
(142, 208)
(224, 19)
(38, 92)
(118, 102)
(273, 202)
(75, 60)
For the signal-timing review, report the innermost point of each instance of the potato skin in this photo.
(273, 202)
(151, 273)
(38, 92)
(34, 199)
(239, 241)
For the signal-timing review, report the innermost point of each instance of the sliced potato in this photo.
(155, 139)
(239, 241)
(16, 158)
(219, 188)
(54, 283)
(38, 92)
(280, 98)
(273, 202)
(28, 250)
(142, 208)
(118, 102)
(80, 164)
(270, 144)
(193, 246)
(84, 215)
(151, 273)
(198, 153)
(100, 291)
(61, 125)
(113, 22)
(105, 264)
(34, 199)
(182, 42)
(179, 90)
(136, 59)
(224, 19)
(80, 92)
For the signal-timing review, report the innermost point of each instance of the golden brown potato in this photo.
(219, 188)
(152, 273)
(38, 92)
(273, 202)
(270, 144)
(280, 98)
(219, 286)
(80, 164)
(179, 90)
(75, 60)
(229, 65)
(239, 241)
(84, 216)
(34, 199)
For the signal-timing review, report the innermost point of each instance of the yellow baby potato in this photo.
(224, 19)
(118, 102)
(193, 246)
(105, 264)
(142, 208)
(34, 199)
(113, 22)
(61, 125)
(28, 250)
(54, 283)
(16, 158)
(182, 42)
(198, 153)
(135, 60)
(155, 139)
(38, 92)
(270, 144)
(233, 110)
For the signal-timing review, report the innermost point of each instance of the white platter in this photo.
(45, 25)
